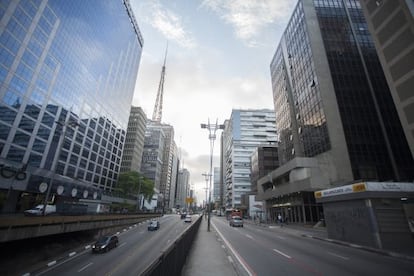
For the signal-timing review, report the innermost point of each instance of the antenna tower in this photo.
(157, 114)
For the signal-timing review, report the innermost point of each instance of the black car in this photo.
(105, 243)
(153, 225)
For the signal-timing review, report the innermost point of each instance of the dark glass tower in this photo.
(67, 74)
(334, 111)
(331, 96)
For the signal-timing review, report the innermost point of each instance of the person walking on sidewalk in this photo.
(280, 219)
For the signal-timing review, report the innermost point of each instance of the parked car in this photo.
(236, 221)
(153, 225)
(183, 215)
(187, 218)
(38, 210)
(105, 243)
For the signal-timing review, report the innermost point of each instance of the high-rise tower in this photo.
(157, 114)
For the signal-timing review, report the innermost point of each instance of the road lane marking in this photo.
(85, 267)
(230, 259)
(72, 254)
(282, 238)
(51, 263)
(339, 256)
(122, 244)
(250, 237)
(281, 253)
(241, 261)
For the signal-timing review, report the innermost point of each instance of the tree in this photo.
(132, 183)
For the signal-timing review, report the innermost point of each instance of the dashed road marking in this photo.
(85, 267)
(339, 256)
(250, 237)
(281, 253)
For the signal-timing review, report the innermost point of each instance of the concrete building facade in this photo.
(333, 108)
(134, 141)
(391, 24)
(243, 132)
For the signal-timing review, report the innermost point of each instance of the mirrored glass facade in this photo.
(336, 31)
(67, 68)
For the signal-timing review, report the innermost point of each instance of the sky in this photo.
(218, 59)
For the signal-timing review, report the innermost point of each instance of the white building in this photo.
(244, 131)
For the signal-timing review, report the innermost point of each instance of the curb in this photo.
(362, 247)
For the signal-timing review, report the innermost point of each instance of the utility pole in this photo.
(212, 128)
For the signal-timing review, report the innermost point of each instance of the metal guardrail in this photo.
(172, 260)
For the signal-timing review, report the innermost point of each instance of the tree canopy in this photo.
(132, 183)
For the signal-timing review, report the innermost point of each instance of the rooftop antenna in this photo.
(157, 114)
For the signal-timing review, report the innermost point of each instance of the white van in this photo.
(38, 210)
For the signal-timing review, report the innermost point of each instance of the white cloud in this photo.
(248, 17)
(169, 25)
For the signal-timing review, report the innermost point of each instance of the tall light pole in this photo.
(56, 157)
(207, 177)
(212, 128)
(140, 178)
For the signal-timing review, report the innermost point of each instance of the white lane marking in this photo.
(248, 270)
(230, 259)
(283, 254)
(122, 244)
(168, 242)
(222, 246)
(85, 267)
(88, 246)
(51, 263)
(282, 238)
(339, 256)
(250, 237)
(71, 254)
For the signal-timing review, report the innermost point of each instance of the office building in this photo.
(134, 142)
(243, 132)
(334, 111)
(217, 191)
(67, 74)
(263, 161)
(183, 189)
(391, 24)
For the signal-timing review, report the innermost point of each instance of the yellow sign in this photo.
(188, 200)
(318, 194)
(359, 187)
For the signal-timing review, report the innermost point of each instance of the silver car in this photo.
(236, 221)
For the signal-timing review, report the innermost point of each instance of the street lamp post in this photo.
(139, 194)
(56, 157)
(207, 177)
(212, 128)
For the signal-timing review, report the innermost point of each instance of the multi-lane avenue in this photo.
(137, 249)
(278, 251)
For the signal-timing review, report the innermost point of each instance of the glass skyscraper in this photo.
(334, 111)
(67, 73)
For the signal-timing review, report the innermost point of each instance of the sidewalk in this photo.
(207, 256)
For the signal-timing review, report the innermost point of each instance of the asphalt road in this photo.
(263, 251)
(137, 249)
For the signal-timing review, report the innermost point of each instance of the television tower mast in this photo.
(157, 114)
